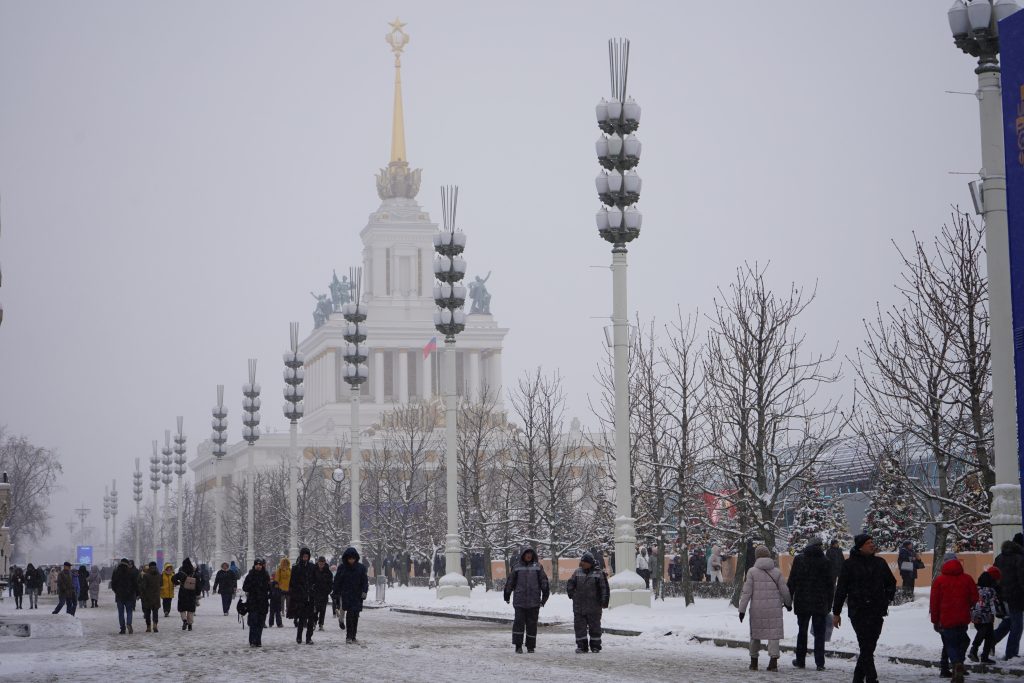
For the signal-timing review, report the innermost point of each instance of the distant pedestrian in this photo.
(588, 590)
(17, 583)
(149, 595)
(302, 596)
(351, 584)
(766, 593)
(643, 567)
(698, 566)
(676, 569)
(527, 586)
(125, 584)
(284, 580)
(324, 585)
(225, 584)
(257, 600)
(276, 596)
(33, 585)
(167, 588)
(810, 586)
(94, 586)
(908, 560)
(983, 615)
(866, 586)
(715, 561)
(188, 593)
(66, 592)
(953, 595)
(835, 559)
(1011, 566)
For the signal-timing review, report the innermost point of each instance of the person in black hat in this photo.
(66, 591)
(302, 596)
(257, 600)
(125, 584)
(324, 586)
(588, 590)
(866, 586)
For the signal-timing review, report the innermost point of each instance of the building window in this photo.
(387, 272)
(419, 272)
(405, 275)
(389, 375)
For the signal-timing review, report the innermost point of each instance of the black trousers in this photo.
(255, 620)
(351, 624)
(167, 606)
(816, 622)
(525, 623)
(321, 611)
(275, 615)
(307, 621)
(225, 602)
(587, 625)
(151, 615)
(868, 629)
(984, 637)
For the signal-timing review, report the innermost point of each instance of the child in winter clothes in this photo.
(588, 590)
(276, 596)
(984, 613)
(953, 595)
(528, 584)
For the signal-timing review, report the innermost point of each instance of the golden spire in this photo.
(397, 39)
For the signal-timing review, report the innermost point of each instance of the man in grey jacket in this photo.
(589, 592)
(528, 588)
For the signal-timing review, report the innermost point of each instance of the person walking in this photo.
(284, 575)
(866, 587)
(167, 588)
(675, 570)
(953, 595)
(276, 597)
(33, 585)
(51, 580)
(698, 566)
(125, 584)
(83, 585)
(835, 559)
(257, 600)
(302, 596)
(907, 560)
(1010, 562)
(225, 585)
(351, 584)
(66, 592)
(324, 585)
(589, 592)
(17, 582)
(643, 567)
(984, 613)
(94, 586)
(188, 593)
(810, 586)
(528, 588)
(766, 593)
(715, 562)
(149, 596)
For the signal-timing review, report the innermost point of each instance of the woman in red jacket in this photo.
(953, 595)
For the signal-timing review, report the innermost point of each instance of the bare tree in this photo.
(32, 472)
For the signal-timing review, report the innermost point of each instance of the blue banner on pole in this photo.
(1011, 43)
(84, 555)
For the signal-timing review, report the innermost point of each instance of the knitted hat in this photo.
(762, 551)
(861, 539)
(994, 572)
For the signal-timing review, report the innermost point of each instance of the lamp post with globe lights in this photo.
(113, 516)
(219, 438)
(618, 186)
(179, 470)
(356, 374)
(154, 485)
(106, 523)
(167, 462)
(449, 320)
(137, 496)
(251, 434)
(293, 411)
(976, 32)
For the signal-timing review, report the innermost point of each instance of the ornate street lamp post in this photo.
(168, 467)
(356, 374)
(618, 152)
(293, 411)
(449, 319)
(137, 496)
(219, 438)
(154, 485)
(106, 523)
(113, 515)
(975, 31)
(179, 470)
(251, 434)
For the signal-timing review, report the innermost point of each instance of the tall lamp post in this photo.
(975, 31)
(293, 411)
(154, 485)
(168, 467)
(106, 523)
(356, 374)
(113, 515)
(179, 470)
(449, 319)
(219, 438)
(137, 496)
(618, 152)
(251, 434)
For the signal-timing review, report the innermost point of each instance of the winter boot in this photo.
(773, 664)
(973, 654)
(753, 663)
(130, 631)
(190, 627)
(155, 629)
(121, 632)
(149, 628)
(184, 625)
(958, 673)
(519, 649)
(298, 636)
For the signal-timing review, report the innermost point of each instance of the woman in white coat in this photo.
(765, 592)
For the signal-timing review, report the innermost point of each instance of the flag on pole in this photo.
(431, 346)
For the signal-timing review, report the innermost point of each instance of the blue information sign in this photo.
(84, 555)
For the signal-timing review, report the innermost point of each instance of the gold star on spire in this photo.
(397, 39)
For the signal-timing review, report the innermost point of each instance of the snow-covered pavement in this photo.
(397, 647)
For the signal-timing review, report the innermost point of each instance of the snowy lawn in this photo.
(402, 647)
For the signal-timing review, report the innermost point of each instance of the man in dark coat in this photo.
(588, 590)
(188, 593)
(867, 587)
(324, 584)
(698, 565)
(835, 559)
(33, 585)
(17, 584)
(1011, 585)
(810, 585)
(906, 562)
(302, 596)
(66, 593)
(125, 584)
(528, 588)
(225, 584)
(149, 593)
(257, 600)
(83, 582)
(351, 585)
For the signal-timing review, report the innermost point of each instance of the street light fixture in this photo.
(179, 470)
(168, 467)
(113, 514)
(251, 434)
(106, 523)
(293, 411)
(154, 485)
(219, 438)
(356, 375)
(137, 496)
(450, 319)
(975, 30)
(618, 187)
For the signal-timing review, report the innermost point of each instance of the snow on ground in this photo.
(405, 647)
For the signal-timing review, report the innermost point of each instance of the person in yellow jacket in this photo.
(284, 578)
(167, 588)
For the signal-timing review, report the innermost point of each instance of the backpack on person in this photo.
(189, 583)
(984, 610)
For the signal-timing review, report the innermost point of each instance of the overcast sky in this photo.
(176, 177)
